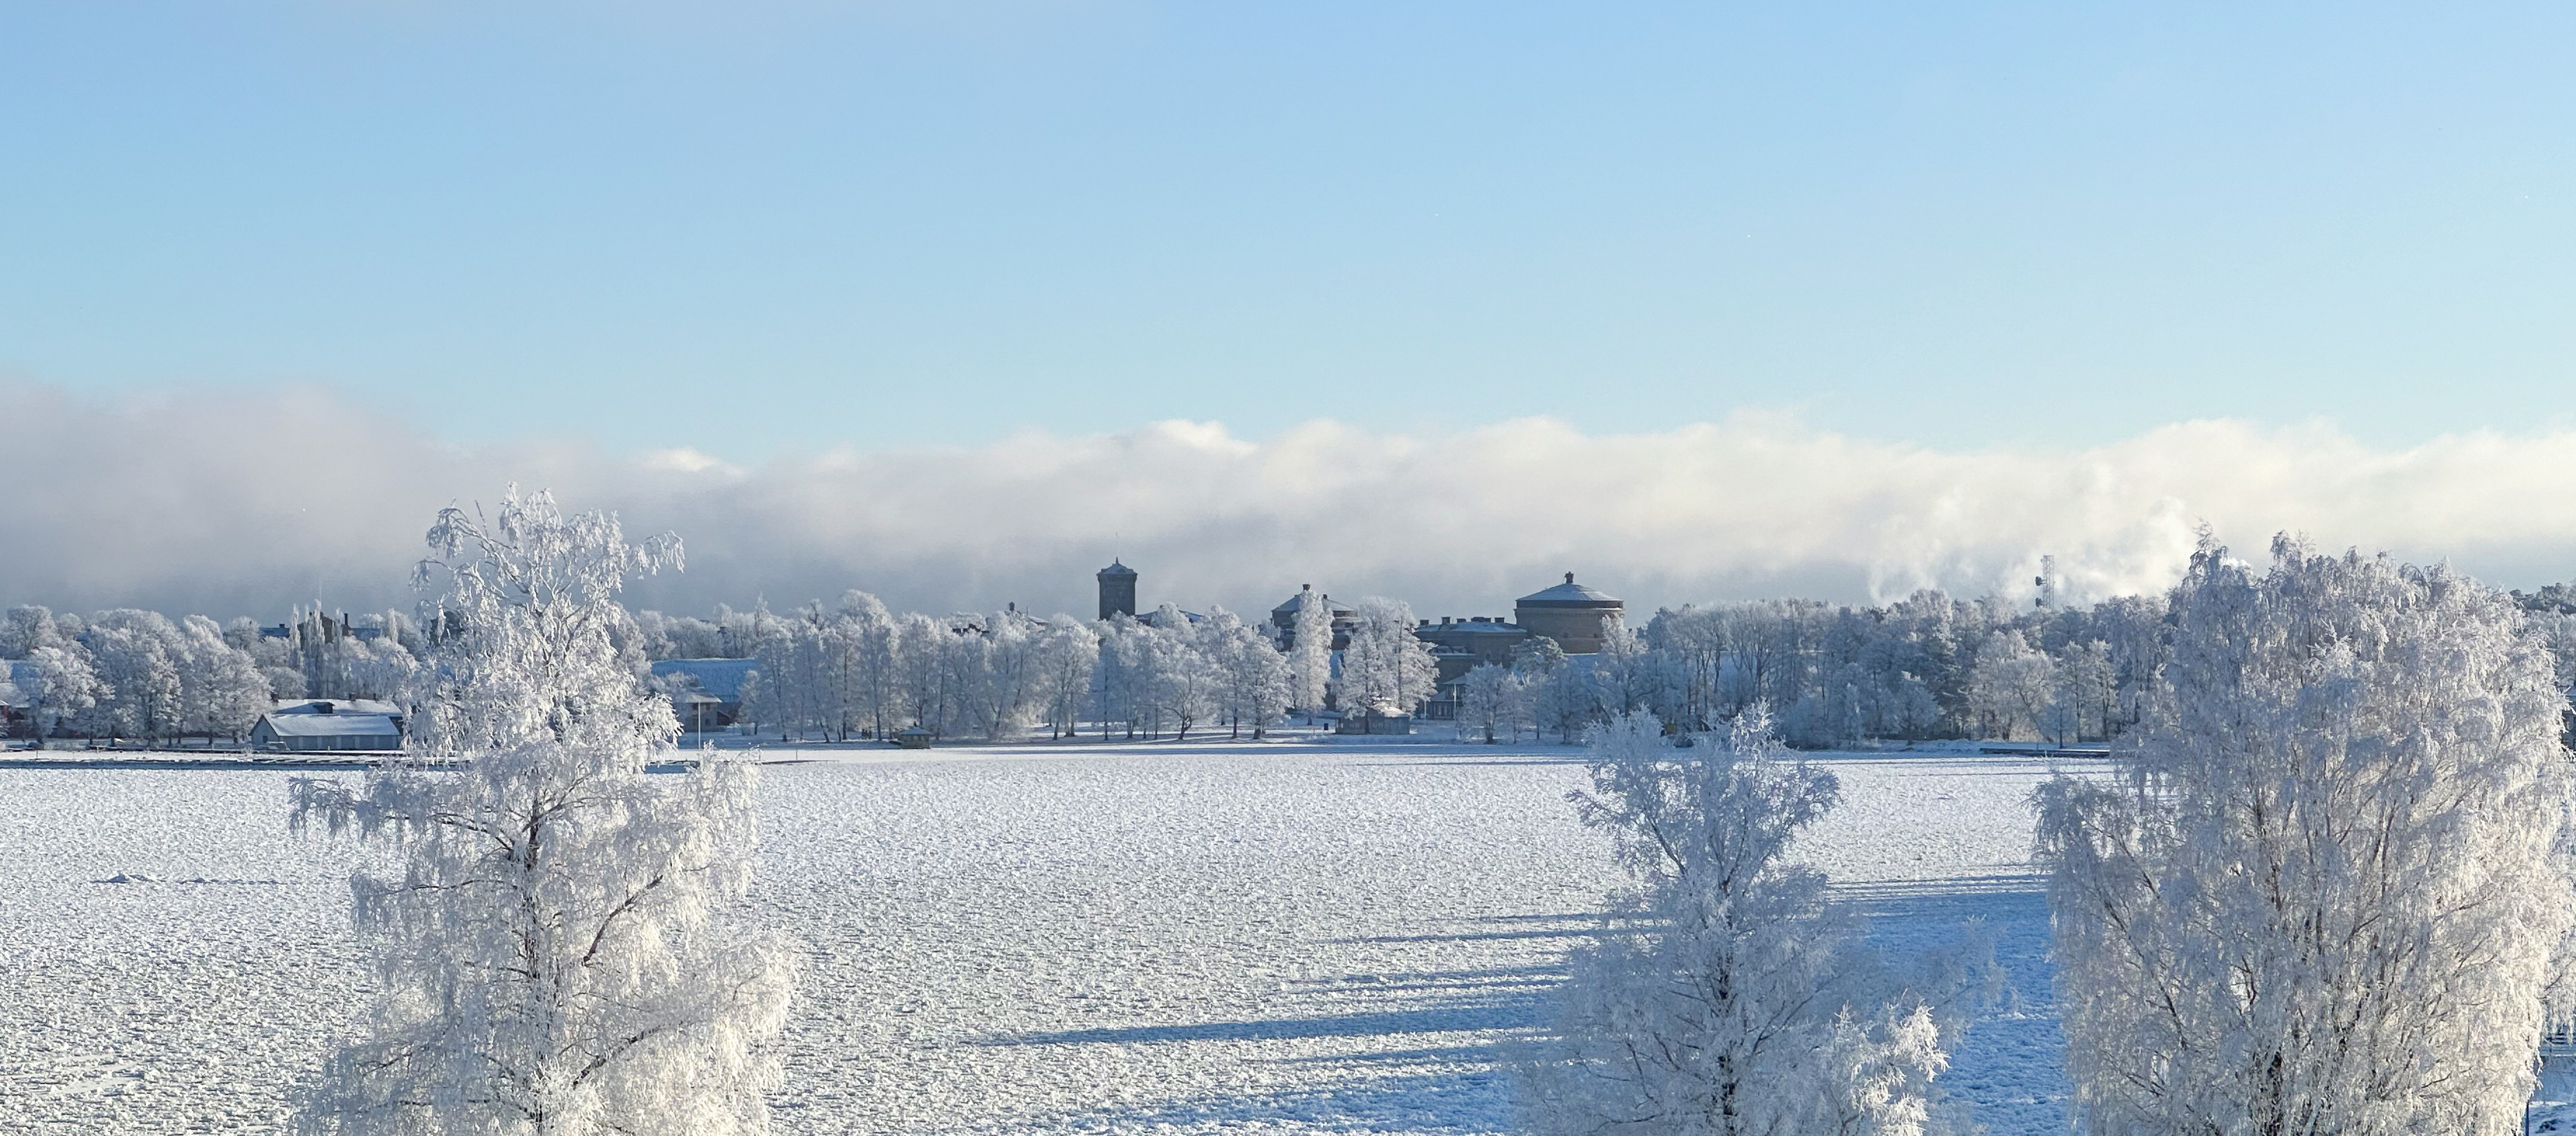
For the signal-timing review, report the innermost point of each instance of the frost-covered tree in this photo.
(1069, 653)
(138, 655)
(922, 673)
(868, 635)
(1008, 692)
(221, 690)
(1310, 652)
(1484, 704)
(25, 628)
(1187, 681)
(1626, 676)
(558, 955)
(1386, 669)
(1124, 677)
(2011, 686)
(1730, 998)
(2086, 700)
(2324, 896)
(1253, 677)
(61, 688)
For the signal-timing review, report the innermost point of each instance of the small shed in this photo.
(912, 737)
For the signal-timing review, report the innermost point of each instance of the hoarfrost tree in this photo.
(869, 635)
(1730, 998)
(1186, 681)
(1387, 669)
(2325, 896)
(2011, 686)
(1253, 677)
(556, 958)
(24, 629)
(138, 655)
(1070, 652)
(1484, 704)
(1310, 652)
(61, 688)
(221, 690)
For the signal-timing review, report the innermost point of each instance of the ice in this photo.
(1213, 937)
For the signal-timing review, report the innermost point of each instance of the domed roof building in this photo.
(1569, 613)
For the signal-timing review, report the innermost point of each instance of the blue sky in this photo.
(777, 228)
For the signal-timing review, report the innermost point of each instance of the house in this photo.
(305, 724)
(705, 693)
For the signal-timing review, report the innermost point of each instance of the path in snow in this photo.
(1317, 938)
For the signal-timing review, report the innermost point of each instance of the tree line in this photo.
(855, 669)
(137, 674)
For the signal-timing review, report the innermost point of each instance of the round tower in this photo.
(1569, 613)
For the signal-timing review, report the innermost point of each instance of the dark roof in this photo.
(1117, 569)
(1570, 594)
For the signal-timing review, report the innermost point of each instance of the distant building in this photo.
(1462, 645)
(705, 693)
(1283, 618)
(17, 692)
(1117, 590)
(1569, 613)
(329, 724)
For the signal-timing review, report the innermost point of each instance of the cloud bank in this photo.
(231, 503)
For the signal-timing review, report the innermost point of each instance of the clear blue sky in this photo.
(779, 227)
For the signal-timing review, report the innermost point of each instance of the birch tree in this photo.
(1310, 652)
(2324, 895)
(1387, 669)
(1731, 998)
(558, 956)
(63, 690)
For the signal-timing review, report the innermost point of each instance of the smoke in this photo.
(230, 503)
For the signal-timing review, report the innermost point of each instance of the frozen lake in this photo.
(1283, 937)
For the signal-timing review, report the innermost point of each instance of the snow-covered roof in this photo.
(1569, 593)
(333, 725)
(337, 705)
(719, 677)
(1297, 603)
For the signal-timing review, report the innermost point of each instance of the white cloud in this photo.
(230, 503)
(687, 459)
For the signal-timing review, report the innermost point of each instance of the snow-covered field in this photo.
(1235, 937)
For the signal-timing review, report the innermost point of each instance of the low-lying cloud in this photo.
(231, 503)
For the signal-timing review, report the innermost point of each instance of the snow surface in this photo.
(1214, 937)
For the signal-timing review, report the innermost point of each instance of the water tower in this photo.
(1117, 590)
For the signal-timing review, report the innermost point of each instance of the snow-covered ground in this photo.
(1285, 937)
